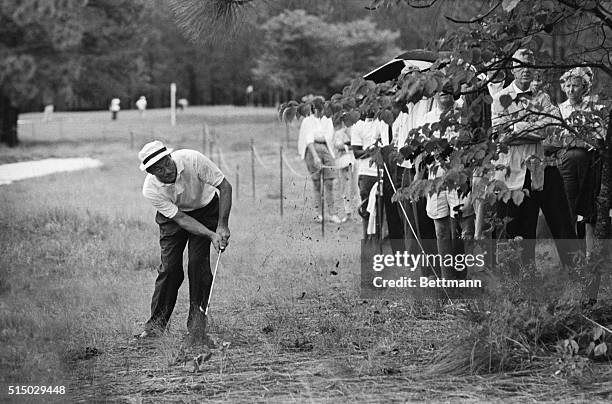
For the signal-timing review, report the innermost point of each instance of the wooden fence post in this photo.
(253, 166)
(322, 201)
(281, 179)
(237, 181)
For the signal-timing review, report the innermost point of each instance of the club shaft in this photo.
(212, 284)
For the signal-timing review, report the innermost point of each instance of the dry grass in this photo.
(80, 252)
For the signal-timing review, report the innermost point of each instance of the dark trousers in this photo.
(420, 223)
(173, 239)
(395, 224)
(552, 200)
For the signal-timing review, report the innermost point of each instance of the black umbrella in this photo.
(417, 58)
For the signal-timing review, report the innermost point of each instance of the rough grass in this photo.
(80, 254)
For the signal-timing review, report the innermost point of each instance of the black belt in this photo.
(320, 141)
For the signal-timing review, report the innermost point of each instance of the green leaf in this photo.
(431, 86)
(486, 55)
(506, 195)
(590, 348)
(574, 348)
(327, 109)
(597, 333)
(387, 117)
(600, 349)
(304, 109)
(509, 5)
(505, 100)
(289, 114)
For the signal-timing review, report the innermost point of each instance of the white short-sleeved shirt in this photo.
(313, 129)
(406, 122)
(365, 134)
(195, 186)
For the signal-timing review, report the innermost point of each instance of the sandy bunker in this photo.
(29, 169)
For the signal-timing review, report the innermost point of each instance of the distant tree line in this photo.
(79, 54)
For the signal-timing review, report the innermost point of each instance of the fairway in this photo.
(81, 251)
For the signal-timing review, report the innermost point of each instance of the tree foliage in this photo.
(306, 54)
(485, 43)
(48, 47)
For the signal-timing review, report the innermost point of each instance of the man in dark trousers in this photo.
(523, 120)
(193, 201)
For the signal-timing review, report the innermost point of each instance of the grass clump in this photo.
(534, 318)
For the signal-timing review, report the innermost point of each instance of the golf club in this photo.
(213, 281)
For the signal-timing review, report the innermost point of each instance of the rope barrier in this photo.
(223, 162)
(156, 132)
(258, 158)
(286, 161)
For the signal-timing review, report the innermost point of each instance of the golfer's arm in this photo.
(225, 202)
(191, 225)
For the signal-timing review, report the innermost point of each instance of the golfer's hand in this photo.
(224, 233)
(216, 241)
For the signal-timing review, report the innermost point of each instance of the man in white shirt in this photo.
(183, 186)
(516, 117)
(365, 136)
(115, 107)
(446, 208)
(141, 104)
(316, 148)
(420, 225)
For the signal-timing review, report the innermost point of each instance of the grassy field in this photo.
(80, 254)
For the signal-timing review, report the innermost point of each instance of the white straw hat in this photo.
(151, 153)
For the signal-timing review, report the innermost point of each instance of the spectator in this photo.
(141, 104)
(183, 104)
(114, 108)
(345, 161)
(418, 225)
(392, 178)
(315, 147)
(448, 211)
(517, 120)
(580, 167)
(365, 136)
(48, 114)
(249, 95)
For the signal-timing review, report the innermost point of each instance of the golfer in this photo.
(193, 201)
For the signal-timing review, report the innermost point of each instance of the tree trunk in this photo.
(194, 94)
(602, 227)
(8, 122)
